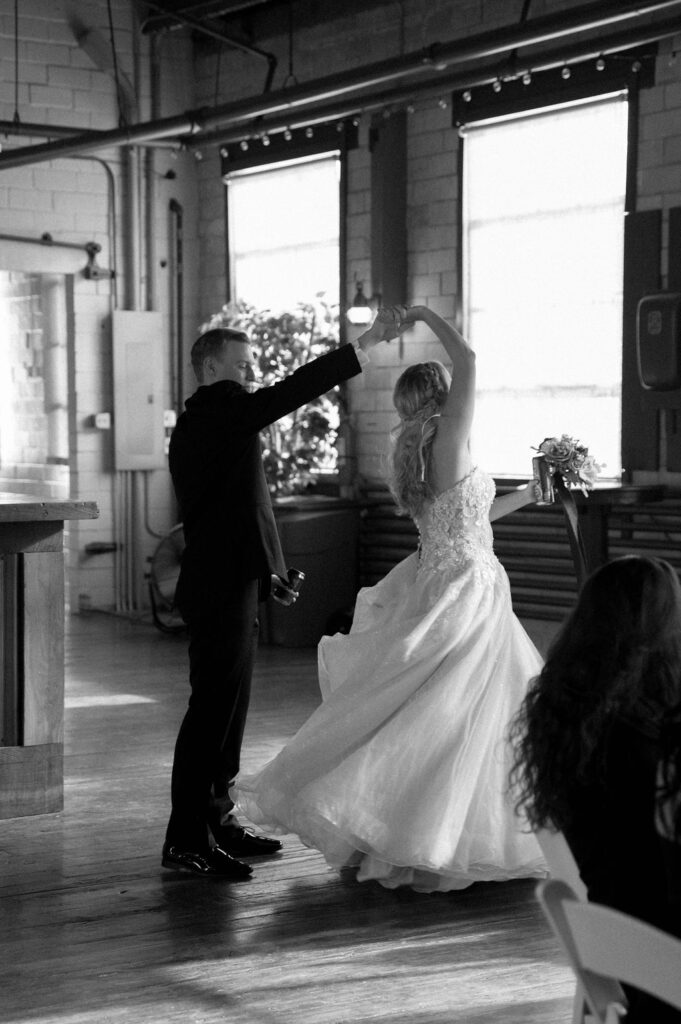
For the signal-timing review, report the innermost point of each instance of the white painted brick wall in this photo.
(69, 198)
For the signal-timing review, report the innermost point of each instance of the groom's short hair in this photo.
(211, 343)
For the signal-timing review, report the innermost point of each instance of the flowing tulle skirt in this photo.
(403, 769)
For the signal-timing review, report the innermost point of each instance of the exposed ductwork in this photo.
(414, 72)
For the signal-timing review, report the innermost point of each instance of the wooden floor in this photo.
(94, 930)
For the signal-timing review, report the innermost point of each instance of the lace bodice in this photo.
(455, 529)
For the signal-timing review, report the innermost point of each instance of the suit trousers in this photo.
(223, 639)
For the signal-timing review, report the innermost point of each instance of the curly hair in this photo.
(669, 781)
(419, 395)
(621, 645)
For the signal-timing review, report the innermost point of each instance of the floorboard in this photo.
(94, 930)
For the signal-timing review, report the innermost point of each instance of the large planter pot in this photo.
(319, 536)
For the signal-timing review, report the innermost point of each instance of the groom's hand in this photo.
(288, 597)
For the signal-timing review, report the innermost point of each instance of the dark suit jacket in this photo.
(219, 479)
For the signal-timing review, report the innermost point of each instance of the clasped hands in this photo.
(389, 323)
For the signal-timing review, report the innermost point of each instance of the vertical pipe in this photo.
(178, 318)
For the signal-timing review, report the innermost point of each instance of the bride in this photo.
(402, 770)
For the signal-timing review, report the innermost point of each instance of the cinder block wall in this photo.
(86, 199)
(74, 199)
(379, 34)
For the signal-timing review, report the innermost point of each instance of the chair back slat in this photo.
(605, 947)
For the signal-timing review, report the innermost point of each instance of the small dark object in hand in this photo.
(295, 582)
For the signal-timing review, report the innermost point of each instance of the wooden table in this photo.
(593, 511)
(32, 651)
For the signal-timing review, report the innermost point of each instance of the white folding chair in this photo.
(563, 865)
(605, 947)
(560, 860)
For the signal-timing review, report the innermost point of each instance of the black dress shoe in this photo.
(217, 863)
(243, 842)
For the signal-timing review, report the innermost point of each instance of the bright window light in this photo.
(543, 226)
(284, 233)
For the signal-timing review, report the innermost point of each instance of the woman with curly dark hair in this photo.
(588, 741)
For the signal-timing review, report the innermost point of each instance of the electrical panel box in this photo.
(139, 373)
(658, 341)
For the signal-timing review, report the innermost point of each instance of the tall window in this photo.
(284, 233)
(543, 229)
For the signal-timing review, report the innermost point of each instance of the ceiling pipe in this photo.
(214, 33)
(52, 131)
(216, 9)
(545, 61)
(437, 57)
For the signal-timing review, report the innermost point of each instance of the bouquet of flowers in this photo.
(567, 461)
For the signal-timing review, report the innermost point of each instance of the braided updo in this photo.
(419, 395)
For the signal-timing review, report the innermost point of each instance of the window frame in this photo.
(626, 72)
(549, 89)
(286, 148)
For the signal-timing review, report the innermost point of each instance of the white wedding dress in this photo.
(403, 769)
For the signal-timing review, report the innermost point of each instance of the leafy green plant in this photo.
(298, 447)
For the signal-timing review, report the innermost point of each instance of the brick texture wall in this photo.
(381, 33)
(88, 199)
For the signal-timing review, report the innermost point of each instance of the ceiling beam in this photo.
(412, 68)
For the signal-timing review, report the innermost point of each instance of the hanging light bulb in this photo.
(600, 64)
(496, 85)
(265, 140)
(442, 103)
(527, 78)
(565, 73)
(288, 134)
(243, 145)
(467, 96)
(360, 310)
(224, 152)
(309, 132)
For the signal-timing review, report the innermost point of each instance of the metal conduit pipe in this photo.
(470, 79)
(177, 327)
(438, 57)
(53, 131)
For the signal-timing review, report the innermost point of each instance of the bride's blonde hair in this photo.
(419, 395)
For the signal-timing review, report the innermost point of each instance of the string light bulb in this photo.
(243, 145)
(309, 132)
(496, 85)
(467, 96)
(288, 134)
(565, 73)
(265, 140)
(527, 78)
(600, 64)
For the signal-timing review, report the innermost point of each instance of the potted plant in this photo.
(300, 447)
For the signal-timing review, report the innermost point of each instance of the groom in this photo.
(232, 554)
